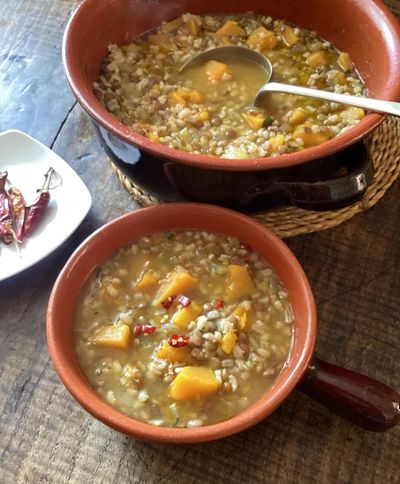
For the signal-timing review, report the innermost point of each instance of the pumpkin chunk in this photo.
(147, 281)
(255, 121)
(317, 60)
(344, 62)
(229, 29)
(193, 26)
(186, 96)
(352, 113)
(245, 319)
(193, 382)
(298, 117)
(184, 316)
(176, 283)
(215, 70)
(261, 38)
(289, 36)
(168, 352)
(114, 336)
(309, 137)
(240, 283)
(228, 342)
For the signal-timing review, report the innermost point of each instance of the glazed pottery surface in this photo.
(124, 231)
(365, 29)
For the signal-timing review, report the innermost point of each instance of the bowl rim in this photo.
(100, 115)
(270, 400)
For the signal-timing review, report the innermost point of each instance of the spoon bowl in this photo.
(231, 52)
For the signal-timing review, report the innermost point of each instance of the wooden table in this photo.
(45, 436)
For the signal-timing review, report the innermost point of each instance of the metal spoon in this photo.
(243, 53)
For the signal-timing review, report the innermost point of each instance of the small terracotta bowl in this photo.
(340, 389)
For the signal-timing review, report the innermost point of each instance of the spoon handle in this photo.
(361, 102)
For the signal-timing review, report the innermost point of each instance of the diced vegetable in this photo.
(176, 283)
(185, 315)
(256, 121)
(163, 40)
(261, 38)
(344, 62)
(193, 26)
(309, 137)
(289, 36)
(147, 281)
(172, 25)
(168, 352)
(245, 319)
(215, 70)
(277, 141)
(229, 29)
(114, 336)
(352, 114)
(317, 59)
(204, 115)
(228, 342)
(186, 96)
(193, 382)
(299, 116)
(240, 283)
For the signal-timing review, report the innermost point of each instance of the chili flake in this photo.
(178, 341)
(218, 304)
(185, 301)
(143, 329)
(168, 302)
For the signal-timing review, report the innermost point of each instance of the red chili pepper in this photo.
(18, 211)
(168, 302)
(6, 232)
(185, 301)
(219, 304)
(178, 341)
(143, 329)
(37, 210)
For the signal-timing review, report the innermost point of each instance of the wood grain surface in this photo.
(45, 436)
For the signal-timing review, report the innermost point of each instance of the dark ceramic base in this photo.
(325, 184)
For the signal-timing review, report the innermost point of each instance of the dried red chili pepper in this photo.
(168, 302)
(37, 210)
(18, 211)
(178, 341)
(185, 301)
(144, 329)
(6, 233)
(218, 304)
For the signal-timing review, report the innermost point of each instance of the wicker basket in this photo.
(290, 221)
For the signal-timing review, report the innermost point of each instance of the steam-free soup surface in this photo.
(208, 109)
(183, 329)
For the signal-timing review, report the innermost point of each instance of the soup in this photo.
(207, 108)
(183, 329)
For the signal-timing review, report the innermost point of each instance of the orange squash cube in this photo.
(228, 342)
(176, 283)
(147, 281)
(229, 29)
(184, 316)
(317, 60)
(114, 336)
(261, 38)
(168, 352)
(215, 70)
(240, 284)
(194, 382)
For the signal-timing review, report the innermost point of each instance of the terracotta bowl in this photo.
(366, 402)
(364, 28)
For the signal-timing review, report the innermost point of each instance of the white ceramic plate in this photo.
(26, 161)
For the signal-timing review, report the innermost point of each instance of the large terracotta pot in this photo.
(364, 401)
(364, 28)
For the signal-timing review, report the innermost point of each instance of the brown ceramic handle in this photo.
(361, 400)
